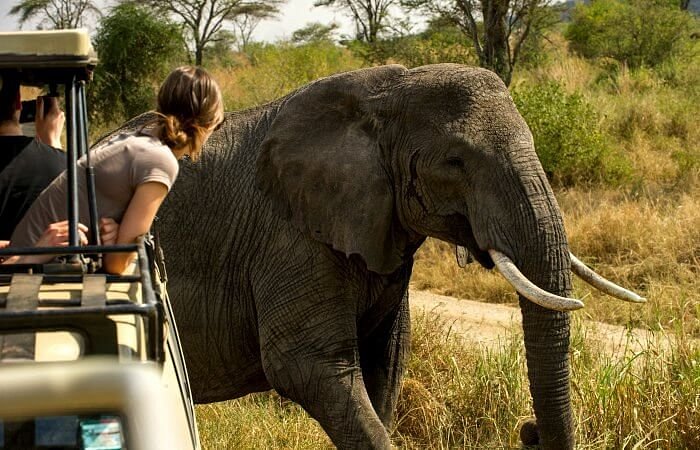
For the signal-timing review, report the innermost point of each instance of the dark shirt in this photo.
(27, 167)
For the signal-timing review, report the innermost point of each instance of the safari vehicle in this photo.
(88, 360)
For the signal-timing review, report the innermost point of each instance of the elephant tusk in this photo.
(527, 288)
(589, 276)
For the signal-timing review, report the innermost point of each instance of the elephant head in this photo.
(373, 161)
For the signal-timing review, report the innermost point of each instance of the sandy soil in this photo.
(489, 324)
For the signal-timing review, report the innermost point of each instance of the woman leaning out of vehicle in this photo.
(134, 171)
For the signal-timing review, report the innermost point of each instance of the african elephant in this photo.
(290, 243)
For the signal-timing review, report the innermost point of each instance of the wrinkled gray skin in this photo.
(290, 243)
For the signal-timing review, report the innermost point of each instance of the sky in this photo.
(294, 14)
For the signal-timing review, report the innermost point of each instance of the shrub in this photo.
(440, 43)
(636, 32)
(568, 140)
(136, 51)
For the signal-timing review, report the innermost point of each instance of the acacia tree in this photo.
(496, 28)
(370, 16)
(57, 14)
(245, 24)
(205, 19)
(314, 32)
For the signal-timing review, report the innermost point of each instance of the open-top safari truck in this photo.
(88, 360)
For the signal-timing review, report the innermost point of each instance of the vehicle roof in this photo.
(42, 49)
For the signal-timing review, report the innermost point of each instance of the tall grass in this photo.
(457, 394)
(256, 422)
(273, 71)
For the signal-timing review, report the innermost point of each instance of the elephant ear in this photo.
(320, 165)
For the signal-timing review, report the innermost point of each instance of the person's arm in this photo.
(137, 221)
(55, 235)
(49, 126)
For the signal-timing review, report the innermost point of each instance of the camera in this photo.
(28, 113)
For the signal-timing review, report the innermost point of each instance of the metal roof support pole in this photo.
(89, 170)
(71, 162)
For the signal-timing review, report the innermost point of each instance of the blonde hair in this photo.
(189, 105)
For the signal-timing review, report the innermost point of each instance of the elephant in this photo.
(290, 242)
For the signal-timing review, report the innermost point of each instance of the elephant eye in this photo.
(454, 162)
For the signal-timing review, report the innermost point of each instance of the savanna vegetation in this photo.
(614, 112)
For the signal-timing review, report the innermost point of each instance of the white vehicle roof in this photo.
(56, 48)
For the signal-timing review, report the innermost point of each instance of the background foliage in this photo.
(568, 138)
(636, 32)
(136, 51)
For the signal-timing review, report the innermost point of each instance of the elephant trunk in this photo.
(546, 331)
(536, 241)
(547, 346)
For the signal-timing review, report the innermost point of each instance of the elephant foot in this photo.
(529, 435)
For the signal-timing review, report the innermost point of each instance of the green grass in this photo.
(258, 421)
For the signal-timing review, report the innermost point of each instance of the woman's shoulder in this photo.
(151, 149)
(141, 141)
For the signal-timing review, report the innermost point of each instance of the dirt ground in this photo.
(488, 324)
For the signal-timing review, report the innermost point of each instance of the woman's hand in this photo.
(109, 230)
(49, 126)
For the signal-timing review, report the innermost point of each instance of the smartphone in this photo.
(28, 113)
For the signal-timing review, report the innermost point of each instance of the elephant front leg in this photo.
(332, 391)
(384, 353)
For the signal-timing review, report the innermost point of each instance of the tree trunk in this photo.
(495, 47)
(198, 53)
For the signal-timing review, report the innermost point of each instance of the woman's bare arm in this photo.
(137, 221)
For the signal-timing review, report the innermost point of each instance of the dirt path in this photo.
(488, 324)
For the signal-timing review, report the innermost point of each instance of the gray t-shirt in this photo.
(121, 164)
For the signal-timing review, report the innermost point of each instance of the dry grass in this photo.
(457, 394)
(436, 270)
(275, 71)
(573, 73)
(649, 244)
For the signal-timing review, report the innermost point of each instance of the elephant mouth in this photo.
(468, 240)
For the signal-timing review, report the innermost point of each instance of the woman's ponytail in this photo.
(189, 106)
(172, 132)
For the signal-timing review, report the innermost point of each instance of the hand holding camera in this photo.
(49, 121)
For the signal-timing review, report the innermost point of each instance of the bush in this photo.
(136, 51)
(636, 32)
(568, 140)
(440, 43)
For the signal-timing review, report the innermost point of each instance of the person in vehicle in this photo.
(134, 171)
(27, 164)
